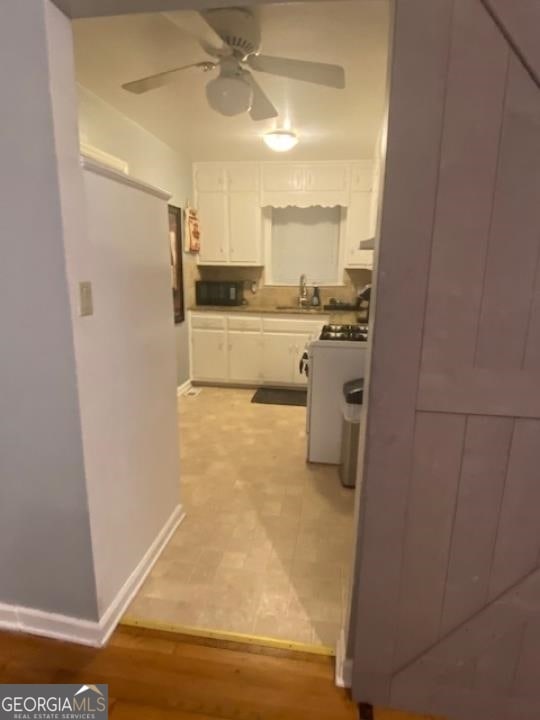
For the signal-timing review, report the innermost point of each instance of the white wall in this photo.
(115, 236)
(45, 550)
(89, 477)
(127, 380)
(150, 160)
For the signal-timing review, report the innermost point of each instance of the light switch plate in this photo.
(86, 305)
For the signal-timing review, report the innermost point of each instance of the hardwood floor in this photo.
(159, 676)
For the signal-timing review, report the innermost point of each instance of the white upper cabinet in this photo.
(358, 228)
(305, 184)
(213, 215)
(244, 229)
(231, 196)
(210, 178)
(245, 214)
(243, 177)
(361, 213)
(323, 177)
(227, 197)
(362, 176)
(376, 195)
(286, 177)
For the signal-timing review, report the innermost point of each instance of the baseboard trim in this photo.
(87, 632)
(8, 616)
(343, 669)
(248, 385)
(183, 388)
(59, 627)
(14, 618)
(110, 619)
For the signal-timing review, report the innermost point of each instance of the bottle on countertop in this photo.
(316, 297)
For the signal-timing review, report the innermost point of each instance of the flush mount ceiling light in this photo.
(280, 140)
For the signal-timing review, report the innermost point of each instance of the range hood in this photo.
(368, 244)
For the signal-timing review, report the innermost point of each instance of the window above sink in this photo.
(304, 241)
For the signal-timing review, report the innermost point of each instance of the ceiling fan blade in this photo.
(196, 26)
(261, 107)
(164, 78)
(313, 72)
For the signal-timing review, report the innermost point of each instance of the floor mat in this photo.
(280, 396)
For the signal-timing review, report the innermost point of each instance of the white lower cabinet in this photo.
(209, 354)
(277, 357)
(245, 356)
(249, 349)
(281, 357)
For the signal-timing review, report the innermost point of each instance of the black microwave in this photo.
(219, 292)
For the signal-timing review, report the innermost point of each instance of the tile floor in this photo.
(266, 545)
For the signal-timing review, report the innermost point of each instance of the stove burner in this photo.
(357, 333)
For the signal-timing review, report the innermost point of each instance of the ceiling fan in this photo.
(232, 37)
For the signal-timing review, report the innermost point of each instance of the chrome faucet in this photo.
(302, 292)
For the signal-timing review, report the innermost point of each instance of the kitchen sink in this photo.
(296, 307)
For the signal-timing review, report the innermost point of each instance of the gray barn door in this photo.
(448, 594)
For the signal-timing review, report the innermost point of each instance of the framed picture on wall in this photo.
(177, 274)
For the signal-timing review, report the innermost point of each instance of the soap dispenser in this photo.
(316, 297)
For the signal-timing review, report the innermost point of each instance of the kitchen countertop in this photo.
(337, 315)
(258, 310)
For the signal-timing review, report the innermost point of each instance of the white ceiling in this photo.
(101, 8)
(332, 124)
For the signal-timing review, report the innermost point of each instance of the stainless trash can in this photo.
(353, 393)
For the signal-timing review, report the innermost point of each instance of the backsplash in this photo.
(269, 296)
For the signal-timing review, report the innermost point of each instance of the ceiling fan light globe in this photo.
(280, 140)
(229, 95)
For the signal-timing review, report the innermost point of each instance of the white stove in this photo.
(332, 362)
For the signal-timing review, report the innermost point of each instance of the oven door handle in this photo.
(303, 367)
